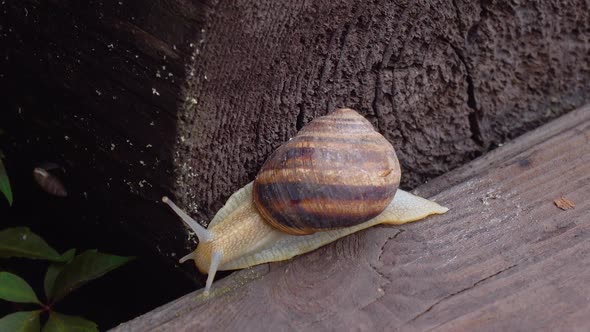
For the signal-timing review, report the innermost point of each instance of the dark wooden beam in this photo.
(93, 86)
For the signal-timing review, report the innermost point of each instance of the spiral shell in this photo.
(336, 172)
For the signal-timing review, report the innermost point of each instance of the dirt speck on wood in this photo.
(564, 203)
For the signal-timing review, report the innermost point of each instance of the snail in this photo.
(337, 176)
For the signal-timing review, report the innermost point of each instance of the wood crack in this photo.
(389, 238)
(381, 251)
(300, 118)
(475, 116)
(376, 98)
(477, 283)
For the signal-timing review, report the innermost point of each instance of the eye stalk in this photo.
(204, 236)
(202, 233)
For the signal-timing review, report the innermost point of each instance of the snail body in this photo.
(336, 177)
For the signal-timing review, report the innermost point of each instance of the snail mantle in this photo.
(337, 176)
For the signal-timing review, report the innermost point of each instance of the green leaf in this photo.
(21, 242)
(53, 270)
(85, 267)
(5, 183)
(64, 323)
(22, 321)
(15, 289)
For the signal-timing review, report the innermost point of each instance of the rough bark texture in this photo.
(444, 81)
(144, 98)
(504, 258)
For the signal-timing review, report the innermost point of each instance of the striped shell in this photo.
(336, 172)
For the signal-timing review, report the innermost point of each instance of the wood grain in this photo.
(443, 81)
(503, 258)
(145, 98)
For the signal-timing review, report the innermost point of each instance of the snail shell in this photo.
(336, 172)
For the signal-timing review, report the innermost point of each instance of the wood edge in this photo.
(504, 152)
(187, 303)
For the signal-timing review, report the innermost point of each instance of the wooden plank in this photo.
(504, 257)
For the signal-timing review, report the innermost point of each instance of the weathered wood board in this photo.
(505, 257)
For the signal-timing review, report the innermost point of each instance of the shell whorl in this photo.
(336, 172)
